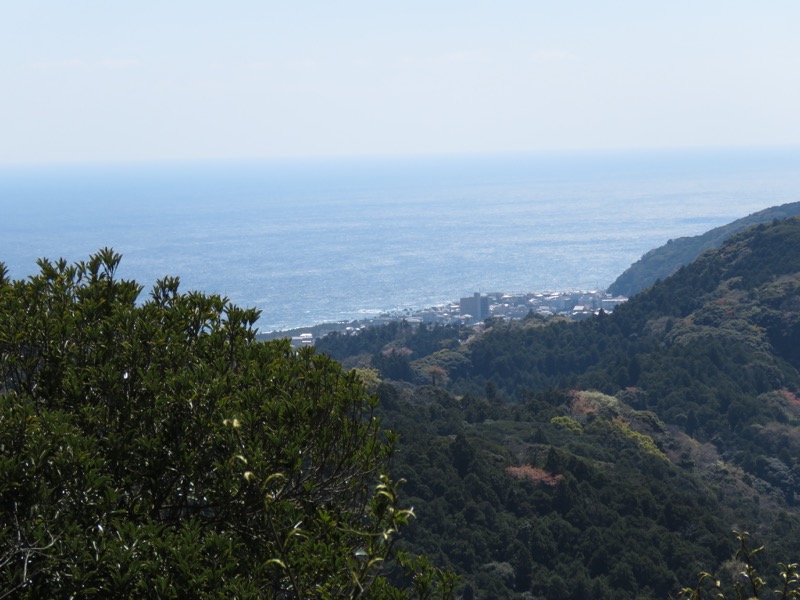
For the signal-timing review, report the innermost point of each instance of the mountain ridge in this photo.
(663, 261)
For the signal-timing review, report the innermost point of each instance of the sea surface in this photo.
(310, 241)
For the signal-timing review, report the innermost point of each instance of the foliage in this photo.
(567, 423)
(645, 442)
(153, 448)
(534, 474)
(420, 341)
(662, 262)
(669, 420)
(701, 350)
(516, 503)
(747, 582)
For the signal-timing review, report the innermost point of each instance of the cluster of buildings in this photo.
(477, 308)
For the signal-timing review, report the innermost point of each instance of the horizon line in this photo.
(398, 157)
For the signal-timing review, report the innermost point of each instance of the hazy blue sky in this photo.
(88, 80)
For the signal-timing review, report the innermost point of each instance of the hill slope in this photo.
(662, 262)
(609, 458)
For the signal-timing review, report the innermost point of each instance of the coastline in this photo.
(471, 310)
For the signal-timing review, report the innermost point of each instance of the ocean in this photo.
(308, 241)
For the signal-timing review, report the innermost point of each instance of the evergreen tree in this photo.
(154, 448)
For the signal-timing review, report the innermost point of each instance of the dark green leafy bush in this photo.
(156, 449)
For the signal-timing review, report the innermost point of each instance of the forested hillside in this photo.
(154, 448)
(613, 457)
(662, 262)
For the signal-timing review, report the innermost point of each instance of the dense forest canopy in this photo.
(154, 449)
(612, 457)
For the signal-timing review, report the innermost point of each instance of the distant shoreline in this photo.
(575, 304)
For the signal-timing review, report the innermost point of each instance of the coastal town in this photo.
(472, 310)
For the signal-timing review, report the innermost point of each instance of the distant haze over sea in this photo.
(308, 241)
